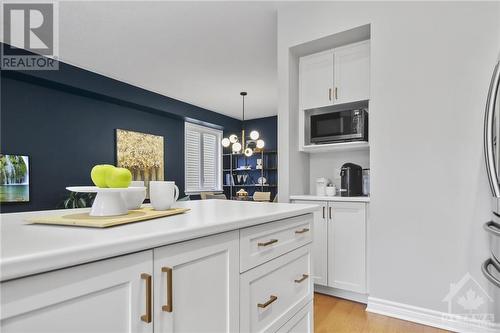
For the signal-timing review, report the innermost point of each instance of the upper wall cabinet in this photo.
(352, 73)
(316, 80)
(337, 76)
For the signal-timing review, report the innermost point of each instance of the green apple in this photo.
(119, 178)
(100, 173)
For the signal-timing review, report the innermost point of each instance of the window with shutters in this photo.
(203, 159)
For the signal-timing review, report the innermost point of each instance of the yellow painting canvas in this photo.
(142, 154)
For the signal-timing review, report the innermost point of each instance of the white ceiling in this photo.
(203, 53)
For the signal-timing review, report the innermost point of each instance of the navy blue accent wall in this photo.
(66, 120)
(268, 130)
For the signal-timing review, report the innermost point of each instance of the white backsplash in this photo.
(328, 165)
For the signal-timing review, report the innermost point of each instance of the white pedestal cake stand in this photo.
(108, 201)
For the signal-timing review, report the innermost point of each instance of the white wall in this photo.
(431, 66)
(290, 160)
(328, 165)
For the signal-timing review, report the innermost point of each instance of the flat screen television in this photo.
(14, 178)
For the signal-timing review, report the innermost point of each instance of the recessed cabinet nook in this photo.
(333, 92)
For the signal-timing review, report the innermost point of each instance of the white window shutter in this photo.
(209, 162)
(193, 145)
(203, 159)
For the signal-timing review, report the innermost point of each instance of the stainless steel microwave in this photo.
(337, 126)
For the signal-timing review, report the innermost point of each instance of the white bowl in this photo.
(108, 201)
(134, 200)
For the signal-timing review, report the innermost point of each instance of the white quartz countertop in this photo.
(327, 198)
(33, 248)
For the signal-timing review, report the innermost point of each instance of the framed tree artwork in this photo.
(142, 154)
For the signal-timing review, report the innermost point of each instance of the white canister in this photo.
(331, 191)
(163, 194)
(321, 186)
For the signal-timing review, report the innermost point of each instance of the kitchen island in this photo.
(223, 266)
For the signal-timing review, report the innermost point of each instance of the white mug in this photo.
(163, 194)
(134, 200)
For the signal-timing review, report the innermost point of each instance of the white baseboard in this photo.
(350, 295)
(429, 317)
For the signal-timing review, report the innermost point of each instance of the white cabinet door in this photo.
(352, 73)
(347, 246)
(196, 285)
(320, 243)
(316, 80)
(104, 296)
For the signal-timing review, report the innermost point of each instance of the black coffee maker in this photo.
(351, 180)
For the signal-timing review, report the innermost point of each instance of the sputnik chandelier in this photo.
(248, 146)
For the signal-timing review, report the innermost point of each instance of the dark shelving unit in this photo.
(248, 178)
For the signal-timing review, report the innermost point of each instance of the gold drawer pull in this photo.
(272, 241)
(147, 317)
(169, 306)
(304, 276)
(302, 231)
(271, 300)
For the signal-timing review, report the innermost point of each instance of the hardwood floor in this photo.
(333, 314)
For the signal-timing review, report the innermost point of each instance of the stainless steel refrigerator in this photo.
(491, 266)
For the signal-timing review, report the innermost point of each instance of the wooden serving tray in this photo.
(85, 220)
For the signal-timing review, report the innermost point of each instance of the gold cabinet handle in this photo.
(147, 317)
(272, 241)
(304, 276)
(330, 94)
(302, 231)
(271, 300)
(169, 306)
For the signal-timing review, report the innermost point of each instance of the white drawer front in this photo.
(283, 283)
(267, 241)
(302, 322)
